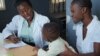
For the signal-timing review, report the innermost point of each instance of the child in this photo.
(51, 32)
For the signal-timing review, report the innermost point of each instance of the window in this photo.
(57, 6)
(57, 9)
(2, 4)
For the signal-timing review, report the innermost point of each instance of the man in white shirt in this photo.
(87, 29)
(27, 25)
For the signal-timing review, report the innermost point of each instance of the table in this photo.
(24, 51)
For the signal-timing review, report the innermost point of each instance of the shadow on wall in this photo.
(71, 36)
(96, 8)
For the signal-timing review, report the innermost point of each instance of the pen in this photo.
(14, 34)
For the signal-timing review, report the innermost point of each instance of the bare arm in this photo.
(95, 53)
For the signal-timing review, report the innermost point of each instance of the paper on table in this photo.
(12, 45)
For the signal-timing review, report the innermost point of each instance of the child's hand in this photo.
(35, 51)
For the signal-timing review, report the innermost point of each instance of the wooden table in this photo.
(23, 51)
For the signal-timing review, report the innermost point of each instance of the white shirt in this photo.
(93, 35)
(27, 32)
(16, 25)
(56, 47)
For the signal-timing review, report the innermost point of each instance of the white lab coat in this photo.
(16, 25)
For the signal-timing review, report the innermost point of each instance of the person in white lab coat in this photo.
(51, 33)
(27, 25)
(87, 27)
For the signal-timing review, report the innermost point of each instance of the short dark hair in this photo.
(83, 3)
(18, 2)
(53, 28)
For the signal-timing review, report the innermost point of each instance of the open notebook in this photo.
(10, 45)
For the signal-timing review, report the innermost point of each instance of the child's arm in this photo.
(42, 52)
(54, 49)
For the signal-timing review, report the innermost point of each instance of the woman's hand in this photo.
(68, 52)
(13, 39)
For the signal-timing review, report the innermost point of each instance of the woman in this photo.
(28, 25)
(87, 28)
